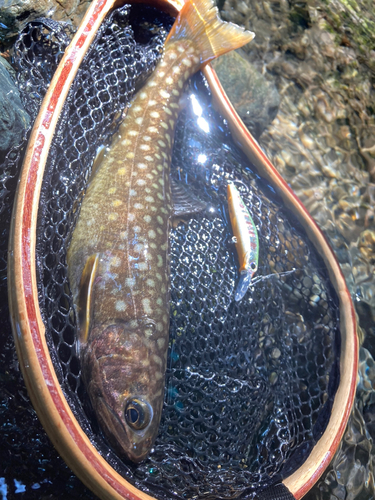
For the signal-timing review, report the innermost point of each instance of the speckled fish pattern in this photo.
(118, 257)
(125, 219)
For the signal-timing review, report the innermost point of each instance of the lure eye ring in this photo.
(137, 414)
(253, 266)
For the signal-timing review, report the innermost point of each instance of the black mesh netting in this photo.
(249, 385)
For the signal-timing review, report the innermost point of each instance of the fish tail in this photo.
(199, 22)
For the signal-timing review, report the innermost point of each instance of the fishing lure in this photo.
(118, 259)
(246, 240)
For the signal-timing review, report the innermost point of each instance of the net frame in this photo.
(291, 200)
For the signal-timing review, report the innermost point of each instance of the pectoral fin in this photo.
(85, 296)
(184, 202)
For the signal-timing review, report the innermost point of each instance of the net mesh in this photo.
(250, 384)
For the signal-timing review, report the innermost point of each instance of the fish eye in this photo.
(137, 414)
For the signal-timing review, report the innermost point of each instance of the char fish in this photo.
(118, 257)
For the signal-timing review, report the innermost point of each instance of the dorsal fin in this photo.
(84, 300)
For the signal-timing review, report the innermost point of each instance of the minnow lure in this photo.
(247, 242)
(118, 258)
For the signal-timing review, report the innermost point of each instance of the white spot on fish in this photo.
(175, 92)
(129, 155)
(120, 305)
(137, 109)
(164, 125)
(159, 301)
(154, 114)
(157, 359)
(143, 266)
(168, 111)
(186, 62)
(146, 306)
(160, 261)
(174, 105)
(148, 158)
(139, 120)
(126, 142)
(130, 282)
(168, 137)
(152, 83)
(153, 130)
(180, 83)
(132, 192)
(160, 196)
(150, 283)
(146, 138)
(162, 143)
(115, 261)
(138, 206)
(131, 217)
(138, 247)
(116, 203)
(164, 94)
(111, 190)
(147, 218)
(151, 234)
(150, 199)
(161, 342)
(169, 80)
(144, 147)
(141, 182)
(142, 95)
(151, 102)
(124, 235)
(121, 171)
(141, 165)
(136, 229)
(133, 132)
(113, 216)
(172, 55)
(181, 49)
(159, 219)
(176, 70)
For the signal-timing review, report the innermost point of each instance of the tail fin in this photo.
(199, 21)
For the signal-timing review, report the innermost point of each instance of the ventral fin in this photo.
(85, 296)
(183, 200)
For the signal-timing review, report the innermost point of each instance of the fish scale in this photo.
(118, 257)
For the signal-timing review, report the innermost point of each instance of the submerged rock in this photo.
(255, 99)
(13, 117)
(15, 14)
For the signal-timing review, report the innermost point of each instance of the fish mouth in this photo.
(120, 436)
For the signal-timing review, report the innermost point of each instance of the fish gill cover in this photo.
(249, 384)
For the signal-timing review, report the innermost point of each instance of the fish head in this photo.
(125, 384)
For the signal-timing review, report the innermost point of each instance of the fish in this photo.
(246, 240)
(118, 258)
